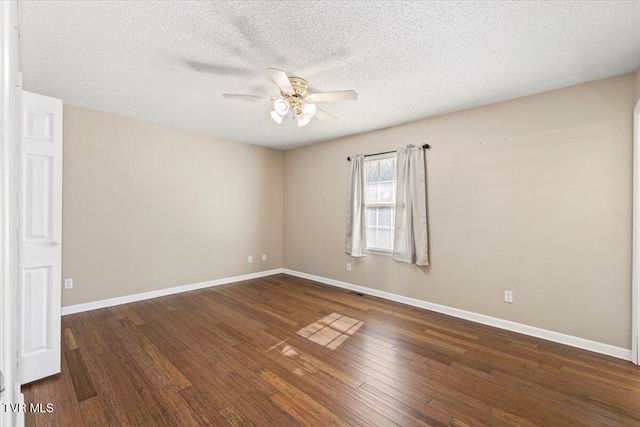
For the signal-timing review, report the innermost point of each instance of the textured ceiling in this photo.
(170, 62)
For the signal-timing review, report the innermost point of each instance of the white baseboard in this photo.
(162, 292)
(597, 347)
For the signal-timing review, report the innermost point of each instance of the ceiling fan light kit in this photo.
(294, 97)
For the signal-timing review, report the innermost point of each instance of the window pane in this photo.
(370, 214)
(386, 170)
(371, 237)
(386, 192)
(384, 217)
(372, 172)
(380, 187)
(371, 193)
(385, 239)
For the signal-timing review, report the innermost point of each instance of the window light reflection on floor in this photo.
(331, 330)
(289, 351)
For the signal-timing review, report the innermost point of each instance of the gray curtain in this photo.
(355, 237)
(411, 240)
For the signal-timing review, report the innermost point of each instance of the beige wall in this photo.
(531, 195)
(147, 207)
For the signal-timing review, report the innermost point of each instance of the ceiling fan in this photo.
(294, 97)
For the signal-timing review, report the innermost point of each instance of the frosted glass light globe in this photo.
(309, 110)
(276, 117)
(303, 120)
(281, 106)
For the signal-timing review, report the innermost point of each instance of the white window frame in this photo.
(377, 158)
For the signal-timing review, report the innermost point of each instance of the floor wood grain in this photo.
(284, 351)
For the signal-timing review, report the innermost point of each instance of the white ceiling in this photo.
(170, 62)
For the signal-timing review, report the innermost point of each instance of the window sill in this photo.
(380, 252)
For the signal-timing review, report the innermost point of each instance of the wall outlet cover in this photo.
(508, 296)
(68, 283)
(250, 259)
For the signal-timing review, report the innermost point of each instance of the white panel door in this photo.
(40, 234)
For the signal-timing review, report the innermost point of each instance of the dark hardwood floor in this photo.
(283, 351)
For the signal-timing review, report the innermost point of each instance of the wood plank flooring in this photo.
(283, 351)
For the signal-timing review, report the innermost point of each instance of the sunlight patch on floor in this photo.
(331, 330)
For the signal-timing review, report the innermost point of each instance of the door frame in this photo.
(9, 130)
(635, 276)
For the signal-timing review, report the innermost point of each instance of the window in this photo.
(380, 202)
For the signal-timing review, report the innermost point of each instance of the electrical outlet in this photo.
(264, 257)
(348, 266)
(250, 259)
(508, 296)
(68, 283)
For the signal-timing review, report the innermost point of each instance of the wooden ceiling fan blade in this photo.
(324, 116)
(281, 79)
(340, 95)
(245, 97)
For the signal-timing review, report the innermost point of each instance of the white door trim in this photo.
(635, 280)
(9, 126)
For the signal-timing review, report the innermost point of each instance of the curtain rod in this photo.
(425, 146)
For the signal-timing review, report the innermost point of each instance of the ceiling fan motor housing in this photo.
(299, 95)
